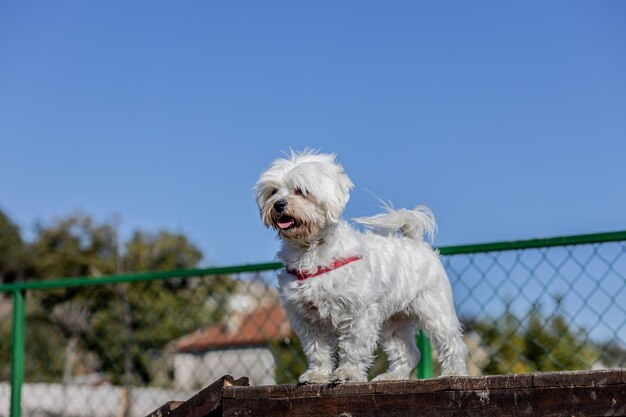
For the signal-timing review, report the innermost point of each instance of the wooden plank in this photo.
(594, 393)
(208, 401)
(491, 382)
(577, 378)
(284, 390)
(165, 410)
(355, 388)
(608, 400)
(413, 386)
(385, 387)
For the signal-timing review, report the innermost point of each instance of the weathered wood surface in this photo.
(166, 409)
(206, 403)
(582, 393)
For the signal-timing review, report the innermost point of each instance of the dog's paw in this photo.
(393, 375)
(314, 377)
(457, 369)
(347, 375)
(455, 372)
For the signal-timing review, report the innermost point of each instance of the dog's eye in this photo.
(274, 191)
(299, 192)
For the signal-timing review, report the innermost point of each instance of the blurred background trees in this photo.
(101, 330)
(13, 257)
(533, 342)
(123, 333)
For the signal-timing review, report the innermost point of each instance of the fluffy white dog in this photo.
(345, 291)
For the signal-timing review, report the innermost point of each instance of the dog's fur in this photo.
(397, 284)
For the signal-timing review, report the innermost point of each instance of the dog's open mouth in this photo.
(285, 222)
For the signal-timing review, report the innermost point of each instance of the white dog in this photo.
(344, 290)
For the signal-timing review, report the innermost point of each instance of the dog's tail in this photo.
(417, 224)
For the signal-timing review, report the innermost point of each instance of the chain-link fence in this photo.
(543, 308)
(126, 345)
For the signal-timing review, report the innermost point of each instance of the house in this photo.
(239, 346)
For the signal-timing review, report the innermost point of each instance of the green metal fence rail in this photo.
(535, 243)
(521, 267)
(126, 278)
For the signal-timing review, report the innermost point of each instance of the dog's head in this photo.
(299, 196)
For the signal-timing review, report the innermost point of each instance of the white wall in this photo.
(194, 371)
(40, 400)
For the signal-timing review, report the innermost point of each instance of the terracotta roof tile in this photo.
(263, 325)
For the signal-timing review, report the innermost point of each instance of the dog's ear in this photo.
(331, 183)
(263, 191)
(337, 200)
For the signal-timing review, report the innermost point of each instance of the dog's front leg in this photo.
(319, 344)
(357, 338)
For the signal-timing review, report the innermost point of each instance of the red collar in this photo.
(303, 275)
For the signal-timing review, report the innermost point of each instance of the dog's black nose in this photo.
(280, 205)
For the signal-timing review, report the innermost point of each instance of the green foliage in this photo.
(160, 252)
(290, 360)
(128, 326)
(535, 344)
(161, 311)
(379, 365)
(5, 337)
(74, 246)
(13, 267)
(13, 257)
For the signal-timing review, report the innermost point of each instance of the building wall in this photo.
(197, 370)
(42, 400)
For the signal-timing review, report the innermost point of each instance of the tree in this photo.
(290, 359)
(13, 256)
(160, 252)
(537, 343)
(13, 267)
(124, 328)
(74, 246)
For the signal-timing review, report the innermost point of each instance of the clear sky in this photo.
(507, 118)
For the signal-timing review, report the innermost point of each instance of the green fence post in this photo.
(17, 355)
(425, 365)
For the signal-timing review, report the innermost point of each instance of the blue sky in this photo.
(507, 118)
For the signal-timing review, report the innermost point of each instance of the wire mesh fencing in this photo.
(542, 309)
(125, 348)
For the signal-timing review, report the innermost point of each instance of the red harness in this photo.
(303, 275)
